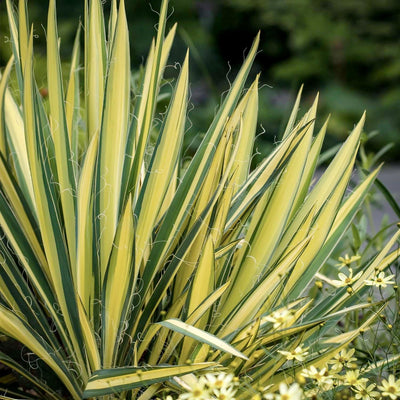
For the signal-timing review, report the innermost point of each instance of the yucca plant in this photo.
(122, 267)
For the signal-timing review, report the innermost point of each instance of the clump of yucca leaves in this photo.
(119, 270)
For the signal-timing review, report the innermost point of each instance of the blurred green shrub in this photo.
(349, 50)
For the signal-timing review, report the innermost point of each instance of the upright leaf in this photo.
(113, 140)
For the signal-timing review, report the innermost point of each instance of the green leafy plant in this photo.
(126, 269)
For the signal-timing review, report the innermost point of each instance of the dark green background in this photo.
(349, 51)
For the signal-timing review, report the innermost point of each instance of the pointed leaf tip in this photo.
(201, 335)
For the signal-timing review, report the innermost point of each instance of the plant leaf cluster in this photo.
(122, 266)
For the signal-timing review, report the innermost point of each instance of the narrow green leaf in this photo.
(202, 285)
(194, 176)
(14, 128)
(247, 137)
(113, 140)
(23, 30)
(267, 225)
(201, 336)
(120, 277)
(3, 86)
(87, 276)
(112, 23)
(112, 381)
(18, 368)
(59, 129)
(48, 213)
(72, 101)
(293, 115)
(14, 327)
(388, 196)
(13, 24)
(95, 66)
(162, 165)
(246, 308)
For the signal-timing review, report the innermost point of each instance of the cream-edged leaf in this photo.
(201, 336)
(111, 381)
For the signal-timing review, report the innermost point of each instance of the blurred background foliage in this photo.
(349, 51)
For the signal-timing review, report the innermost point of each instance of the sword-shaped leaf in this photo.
(111, 381)
(201, 336)
(59, 130)
(112, 140)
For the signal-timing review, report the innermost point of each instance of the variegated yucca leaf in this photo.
(121, 266)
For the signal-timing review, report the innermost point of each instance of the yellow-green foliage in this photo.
(111, 258)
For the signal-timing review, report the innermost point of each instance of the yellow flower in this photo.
(225, 393)
(312, 393)
(390, 387)
(346, 260)
(380, 280)
(346, 280)
(352, 378)
(298, 353)
(280, 318)
(198, 391)
(292, 392)
(322, 377)
(344, 359)
(364, 392)
(220, 381)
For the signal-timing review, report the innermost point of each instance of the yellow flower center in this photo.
(197, 392)
(391, 389)
(285, 397)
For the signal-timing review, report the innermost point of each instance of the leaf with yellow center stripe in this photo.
(12, 135)
(3, 86)
(202, 286)
(112, 140)
(23, 30)
(133, 173)
(155, 63)
(86, 276)
(17, 367)
(15, 26)
(118, 283)
(48, 214)
(191, 182)
(14, 327)
(162, 165)
(95, 66)
(59, 130)
(267, 226)
(111, 381)
(72, 100)
(202, 336)
(248, 126)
